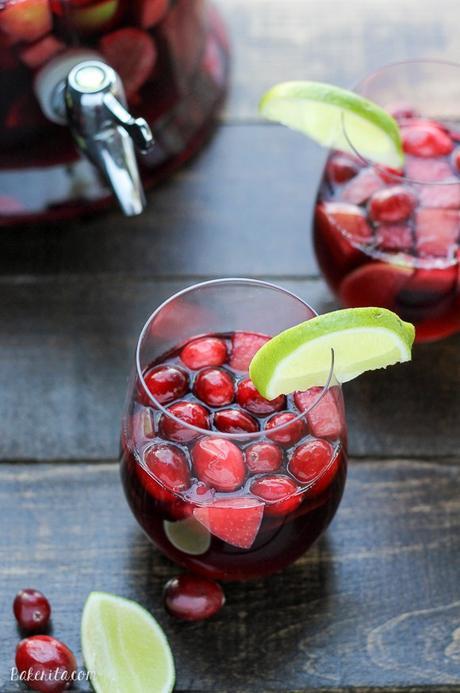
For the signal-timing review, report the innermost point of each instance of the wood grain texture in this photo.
(375, 603)
(329, 40)
(243, 207)
(68, 350)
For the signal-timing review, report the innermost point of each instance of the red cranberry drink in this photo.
(386, 232)
(171, 55)
(227, 482)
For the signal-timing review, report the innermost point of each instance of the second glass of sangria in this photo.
(226, 483)
(391, 238)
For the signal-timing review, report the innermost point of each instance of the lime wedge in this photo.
(336, 117)
(124, 648)
(363, 339)
(188, 536)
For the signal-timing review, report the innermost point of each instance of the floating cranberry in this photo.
(208, 351)
(188, 412)
(289, 434)
(314, 463)
(263, 457)
(32, 610)
(392, 204)
(279, 492)
(426, 139)
(341, 168)
(219, 463)
(169, 465)
(235, 421)
(46, 663)
(456, 159)
(248, 398)
(215, 387)
(166, 383)
(193, 598)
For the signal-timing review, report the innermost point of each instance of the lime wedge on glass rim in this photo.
(337, 118)
(362, 339)
(124, 648)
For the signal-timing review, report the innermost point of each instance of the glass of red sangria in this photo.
(224, 482)
(391, 238)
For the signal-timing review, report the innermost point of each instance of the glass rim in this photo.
(356, 88)
(244, 437)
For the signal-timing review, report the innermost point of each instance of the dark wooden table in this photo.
(375, 605)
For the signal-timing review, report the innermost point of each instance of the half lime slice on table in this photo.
(124, 648)
(336, 117)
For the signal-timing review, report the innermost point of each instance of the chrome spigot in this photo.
(105, 132)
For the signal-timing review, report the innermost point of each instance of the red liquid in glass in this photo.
(391, 240)
(259, 516)
(172, 56)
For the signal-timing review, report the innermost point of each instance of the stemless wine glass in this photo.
(390, 238)
(224, 482)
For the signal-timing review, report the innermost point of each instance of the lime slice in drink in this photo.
(337, 118)
(188, 536)
(124, 648)
(362, 339)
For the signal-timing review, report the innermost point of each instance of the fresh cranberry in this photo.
(214, 386)
(341, 168)
(47, 663)
(235, 421)
(193, 598)
(248, 398)
(279, 492)
(350, 220)
(263, 457)
(426, 139)
(32, 610)
(169, 465)
(314, 463)
(456, 159)
(188, 412)
(392, 204)
(289, 434)
(166, 383)
(208, 351)
(219, 463)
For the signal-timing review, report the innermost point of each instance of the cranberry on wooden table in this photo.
(193, 598)
(32, 610)
(46, 662)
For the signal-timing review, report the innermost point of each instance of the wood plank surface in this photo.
(68, 349)
(329, 40)
(375, 603)
(213, 217)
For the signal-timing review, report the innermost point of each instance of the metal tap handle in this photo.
(137, 128)
(105, 131)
